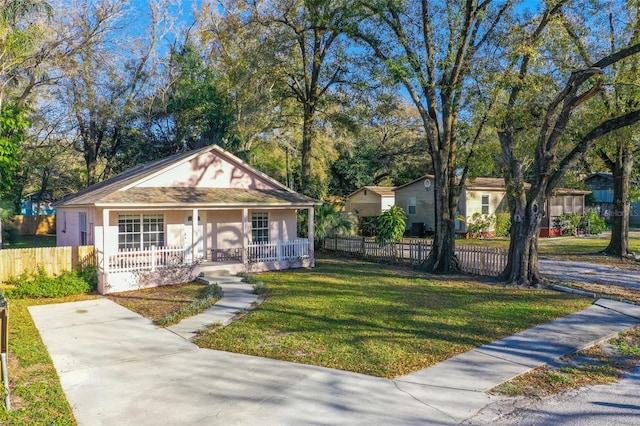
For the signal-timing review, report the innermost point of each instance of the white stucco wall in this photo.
(68, 226)
(208, 171)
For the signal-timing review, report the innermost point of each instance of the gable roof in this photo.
(121, 189)
(383, 191)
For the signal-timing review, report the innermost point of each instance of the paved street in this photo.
(593, 273)
(615, 404)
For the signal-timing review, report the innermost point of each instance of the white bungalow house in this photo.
(166, 221)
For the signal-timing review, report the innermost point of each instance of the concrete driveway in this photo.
(117, 368)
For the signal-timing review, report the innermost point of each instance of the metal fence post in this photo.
(4, 344)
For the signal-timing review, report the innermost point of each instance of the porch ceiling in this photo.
(210, 196)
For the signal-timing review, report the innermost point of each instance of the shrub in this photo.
(391, 225)
(480, 224)
(567, 223)
(90, 275)
(502, 224)
(42, 285)
(368, 226)
(260, 288)
(593, 223)
(248, 278)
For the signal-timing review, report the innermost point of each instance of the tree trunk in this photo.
(442, 258)
(622, 168)
(522, 264)
(305, 152)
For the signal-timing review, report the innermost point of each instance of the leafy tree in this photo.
(21, 30)
(202, 112)
(307, 60)
(13, 124)
(535, 122)
(107, 78)
(330, 221)
(382, 146)
(431, 50)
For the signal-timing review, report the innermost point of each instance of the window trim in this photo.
(141, 229)
(83, 230)
(483, 204)
(260, 227)
(412, 202)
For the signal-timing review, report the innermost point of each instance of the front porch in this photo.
(131, 269)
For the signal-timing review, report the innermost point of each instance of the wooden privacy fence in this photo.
(473, 259)
(54, 260)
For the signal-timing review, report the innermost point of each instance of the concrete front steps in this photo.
(237, 297)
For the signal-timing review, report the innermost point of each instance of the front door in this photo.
(188, 239)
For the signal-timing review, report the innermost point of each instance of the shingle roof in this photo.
(383, 191)
(209, 196)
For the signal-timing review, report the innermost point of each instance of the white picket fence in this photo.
(473, 259)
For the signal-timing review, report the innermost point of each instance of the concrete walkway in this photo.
(237, 297)
(116, 367)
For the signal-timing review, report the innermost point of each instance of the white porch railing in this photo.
(278, 251)
(153, 258)
(129, 260)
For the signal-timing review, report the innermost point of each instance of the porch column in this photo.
(194, 235)
(310, 233)
(245, 235)
(103, 256)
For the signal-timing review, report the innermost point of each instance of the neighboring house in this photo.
(601, 184)
(370, 200)
(168, 220)
(482, 195)
(37, 204)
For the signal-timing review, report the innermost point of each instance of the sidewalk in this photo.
(237, 297)
(118, 368)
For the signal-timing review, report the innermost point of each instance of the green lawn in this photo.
(573, 248)
(36, 395)
(381, 320)
(590, 245)
(29, 241)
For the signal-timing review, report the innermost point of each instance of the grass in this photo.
(381, 320)
(586, 249)
(157, 303)
(30, 241)
(600, 364)
(36, 395)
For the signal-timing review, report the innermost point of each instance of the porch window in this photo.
(485, 204)
(411, 205)
(140, 231)
(260, 227)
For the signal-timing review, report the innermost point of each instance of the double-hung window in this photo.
(411, 205)
(485, 204)
(260, 227)
(140, 231)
